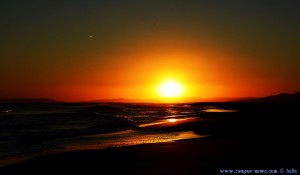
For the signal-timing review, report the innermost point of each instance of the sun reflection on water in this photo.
(168, 121)
(131, 138)
(172, 120)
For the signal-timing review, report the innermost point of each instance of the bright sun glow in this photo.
(172, 120)
(170, 89)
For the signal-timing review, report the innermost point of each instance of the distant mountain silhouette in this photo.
(117, 100)
(283, 97)
(123, 100)
(29, 100)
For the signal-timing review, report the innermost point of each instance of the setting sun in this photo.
(170, 88)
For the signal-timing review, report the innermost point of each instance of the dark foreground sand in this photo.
(234, 144)
(199, 156)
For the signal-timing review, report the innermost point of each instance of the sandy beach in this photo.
(196, 156)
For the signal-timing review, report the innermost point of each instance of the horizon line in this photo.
(147, 100)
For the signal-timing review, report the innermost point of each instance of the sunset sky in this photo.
(92, 49)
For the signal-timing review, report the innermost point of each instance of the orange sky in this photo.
(214, 49)
(138, 68)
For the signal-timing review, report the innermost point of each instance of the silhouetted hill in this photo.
(117, 100)
(283, 97)
(29, 100)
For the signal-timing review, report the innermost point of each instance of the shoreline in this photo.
(190, 156)
(168, 158)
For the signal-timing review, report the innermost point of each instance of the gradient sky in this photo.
(92, 49)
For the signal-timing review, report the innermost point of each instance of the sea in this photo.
(33, 129)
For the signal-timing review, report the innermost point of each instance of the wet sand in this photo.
(196, 156)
